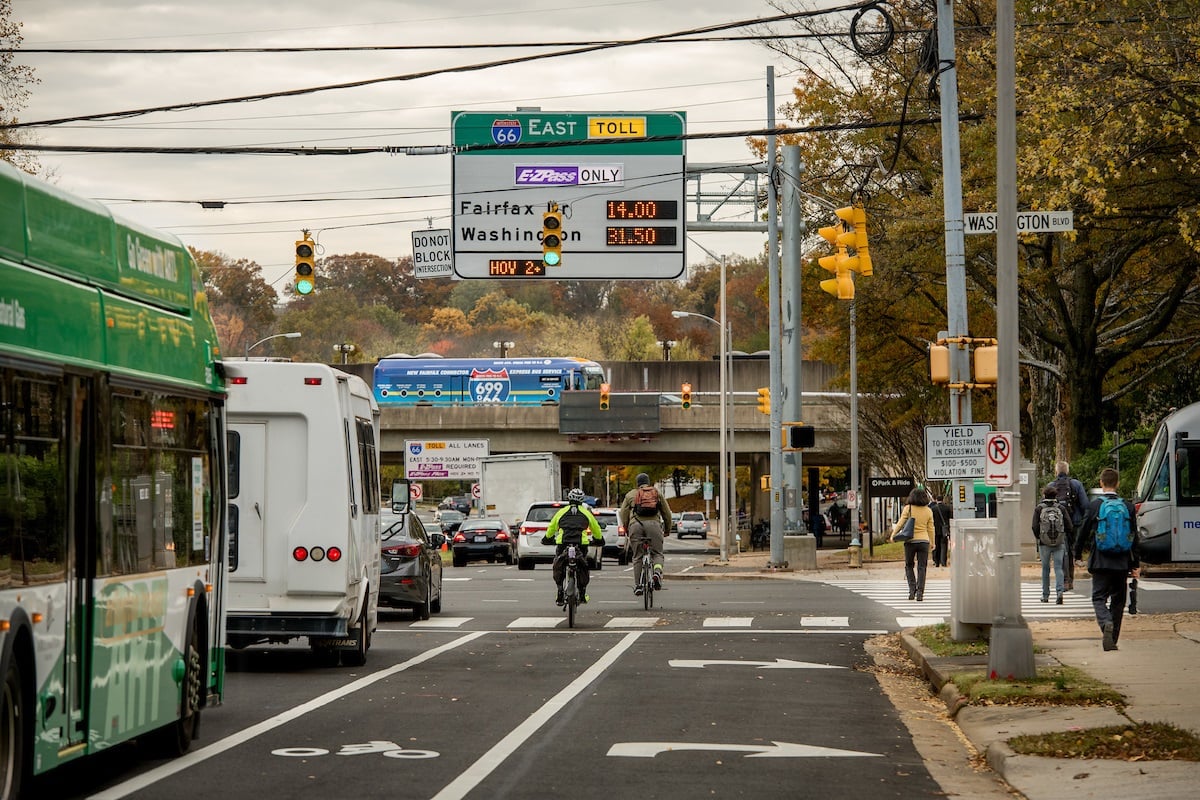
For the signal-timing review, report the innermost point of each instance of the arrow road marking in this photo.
(779, 663)
(773, 750)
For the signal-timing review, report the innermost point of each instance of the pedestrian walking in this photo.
(1109, 534)
(943, 512)
(1052, 529)
(916, 548)
(1073, 498)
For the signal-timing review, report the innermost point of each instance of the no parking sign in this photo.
(415, 492)
(998, 450)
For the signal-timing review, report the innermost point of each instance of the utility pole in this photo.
(1010, 653)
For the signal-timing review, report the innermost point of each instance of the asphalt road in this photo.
(725, 689)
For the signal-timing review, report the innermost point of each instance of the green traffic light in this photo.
(551, 259)
(304, 287)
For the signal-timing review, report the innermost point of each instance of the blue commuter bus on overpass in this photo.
(422, 380)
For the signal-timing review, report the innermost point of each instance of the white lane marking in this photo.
(446, 579)
(779, 663)
(728, 622)
(493, 758)
(773, 750)
(442, 622)
(631, 622)
(536, 622)
(151, 777)
(825, 622)
(918, 622)
(518, 580)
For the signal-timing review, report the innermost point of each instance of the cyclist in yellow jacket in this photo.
(573, 524)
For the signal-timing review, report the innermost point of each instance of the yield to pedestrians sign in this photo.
(954, 452)
(998, 448)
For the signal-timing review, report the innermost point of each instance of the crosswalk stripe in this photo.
(728, 622)
(937, 599)
(631, 622)
(825, 622)
(536, 622)
(441, 622)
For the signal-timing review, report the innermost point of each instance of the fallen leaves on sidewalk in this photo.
(1155, 741)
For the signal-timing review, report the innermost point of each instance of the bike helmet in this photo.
(575, 496)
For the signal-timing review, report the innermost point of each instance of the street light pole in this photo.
(503, 347)
(345, 350)
(723, 474)
(291, 335)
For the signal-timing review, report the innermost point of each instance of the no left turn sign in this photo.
(998, 452)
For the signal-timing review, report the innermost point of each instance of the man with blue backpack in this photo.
(1110, 532)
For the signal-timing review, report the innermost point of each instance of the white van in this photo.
(304, 508)
(1168, 491)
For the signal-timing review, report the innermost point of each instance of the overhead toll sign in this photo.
(616, 179)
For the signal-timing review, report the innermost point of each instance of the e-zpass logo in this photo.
(547, 176)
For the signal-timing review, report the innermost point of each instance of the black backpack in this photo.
(1051, 525)
(1065, 494)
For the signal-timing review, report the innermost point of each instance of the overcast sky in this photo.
(720, 85)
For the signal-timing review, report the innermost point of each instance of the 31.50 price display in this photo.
(641, 236)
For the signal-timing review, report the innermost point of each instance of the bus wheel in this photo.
(358, 656)
(12, 732)
(176, 739)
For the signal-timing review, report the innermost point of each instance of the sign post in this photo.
(617, 179)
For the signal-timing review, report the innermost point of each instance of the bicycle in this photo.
(647, 583)
(571, 595)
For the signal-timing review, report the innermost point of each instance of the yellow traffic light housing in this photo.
(685, 396)
(306, 266)
(854, 221)
(604, 397)
(764, 399)
(552, 236)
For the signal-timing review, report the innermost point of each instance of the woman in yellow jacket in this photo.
(917, 548)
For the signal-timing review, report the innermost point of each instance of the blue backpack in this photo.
(1114, 534)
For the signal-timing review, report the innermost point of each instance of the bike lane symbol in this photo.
(386, 749)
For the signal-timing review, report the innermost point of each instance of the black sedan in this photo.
(483, 539)
(411, 567)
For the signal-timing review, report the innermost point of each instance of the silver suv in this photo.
(530, 530)
(691, 523)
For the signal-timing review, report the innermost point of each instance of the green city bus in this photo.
(112, 485)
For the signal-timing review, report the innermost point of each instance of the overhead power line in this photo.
(441, 71)
(446, 149)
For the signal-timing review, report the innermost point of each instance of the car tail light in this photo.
(334, 554)
(300, 553)
(501, 536)
(458, 537)
(620, 530)
(403, 550)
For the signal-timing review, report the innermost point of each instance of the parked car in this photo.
(530, 550)
(482, 540)
(691, 523)
(614, 534)
(448, 520)
(411, 566)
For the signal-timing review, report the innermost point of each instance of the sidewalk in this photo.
(1157, 669)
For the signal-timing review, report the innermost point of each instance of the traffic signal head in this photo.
(604, 397)
(800, 436)
(306, 275)
(764, 399)
(841, 285)
(854, 219)
(552, 237)
(685, 395)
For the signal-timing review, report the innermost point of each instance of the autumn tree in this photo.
(1106, 128)
(15, 80)
(242, 303)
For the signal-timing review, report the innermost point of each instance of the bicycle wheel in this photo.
(572, 597)
(648, 583)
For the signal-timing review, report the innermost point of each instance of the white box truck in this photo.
(304, 557)
(510, 484)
